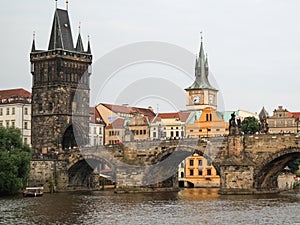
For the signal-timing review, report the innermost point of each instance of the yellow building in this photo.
(206, 123)
(198, 172)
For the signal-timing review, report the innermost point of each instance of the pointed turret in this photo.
(89, 46)
(61, 35)
(33, 43)
(79, 45)
(206, 66)
(263, 114)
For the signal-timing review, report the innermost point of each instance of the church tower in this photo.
(201, 93)
(60, 89)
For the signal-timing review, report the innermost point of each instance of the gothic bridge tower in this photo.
(60, 89)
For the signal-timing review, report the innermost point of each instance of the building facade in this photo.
(60, 89)
(197, 171)
(96, 128)
(15, 111)
(169, 126)
(283, 121)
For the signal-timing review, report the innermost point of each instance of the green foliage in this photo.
(294, 165)
(14, 161)
(250, 125)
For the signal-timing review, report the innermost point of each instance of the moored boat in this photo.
(33, 192)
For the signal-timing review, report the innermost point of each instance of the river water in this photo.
(189, 206)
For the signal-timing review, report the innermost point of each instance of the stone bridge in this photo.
(246, 164)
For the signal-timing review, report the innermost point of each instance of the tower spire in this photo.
(79, 44)
(67, 5)
(89, 46)
(55, 4)
(33, 42)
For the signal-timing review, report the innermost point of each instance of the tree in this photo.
(250, 125)
(14, 161)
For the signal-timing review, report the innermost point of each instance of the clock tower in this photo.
(201, 93)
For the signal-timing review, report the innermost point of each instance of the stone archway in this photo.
(74, 136)
(81, 173)
(266, 175)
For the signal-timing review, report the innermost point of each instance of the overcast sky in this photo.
(253, 45)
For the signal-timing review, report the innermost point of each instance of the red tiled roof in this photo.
(95, 116)
(294, 114)
(130, 110)
(182, 116)
(19, 92)
(18, 95)
(118, 123)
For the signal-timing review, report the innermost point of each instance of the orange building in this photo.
(198, 172)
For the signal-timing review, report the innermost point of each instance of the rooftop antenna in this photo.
(67, 4)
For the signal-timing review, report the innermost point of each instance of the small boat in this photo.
(33, 192)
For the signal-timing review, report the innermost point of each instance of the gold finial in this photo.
(67, 4)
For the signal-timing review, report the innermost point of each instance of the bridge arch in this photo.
(267, 171)
(80, 169)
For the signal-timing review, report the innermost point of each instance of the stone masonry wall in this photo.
(52, 175)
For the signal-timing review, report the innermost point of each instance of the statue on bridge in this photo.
(234, 125)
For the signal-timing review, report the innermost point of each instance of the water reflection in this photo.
(189, 206)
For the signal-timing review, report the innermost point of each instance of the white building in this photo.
(96, 128)
(168, 125)
(15, 111)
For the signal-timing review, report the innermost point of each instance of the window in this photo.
(25, 141)
(95, 130)
(191, 162)
(7, 111)
(25, 125)
(172, 134)
(200, 172)
(144, 131)
(141, 132)
(200, 162)
(182, 174)
(13, 123)
(154, 134)
(209, 172)
(1, 112)
(177, 133)
(13, 112)
(7, 123)
(1, 123)
(26, 111)
(191, 172)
